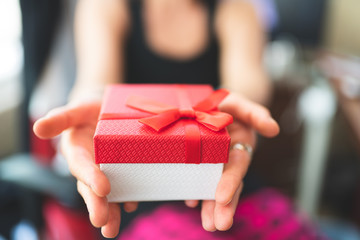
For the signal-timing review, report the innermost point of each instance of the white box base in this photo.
(157, 182)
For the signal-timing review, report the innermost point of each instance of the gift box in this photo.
(162, 141)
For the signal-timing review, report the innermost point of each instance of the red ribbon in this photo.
(205, 112)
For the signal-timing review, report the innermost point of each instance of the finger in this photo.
(233, 174)
(81, 164)
(191, 203)
(130, 206)
(224, 214)
(251, 113)
(111, 229)
(97, 206)
(207, 215)
(59, 119)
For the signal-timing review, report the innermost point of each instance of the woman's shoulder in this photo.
(112, 13)
(230, 15)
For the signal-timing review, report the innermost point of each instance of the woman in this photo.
(157, 41)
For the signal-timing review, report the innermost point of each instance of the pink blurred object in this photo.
(43, 150)
(266, 215)
(65, 223)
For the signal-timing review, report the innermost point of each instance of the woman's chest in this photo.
(181, 34)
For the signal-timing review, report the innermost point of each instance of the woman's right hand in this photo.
(77, 123)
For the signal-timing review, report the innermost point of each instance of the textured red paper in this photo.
(128, 141)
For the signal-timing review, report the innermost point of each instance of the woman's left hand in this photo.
(249, 118)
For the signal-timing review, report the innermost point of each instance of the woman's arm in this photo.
(100, 29)
(242, 37)
(241, 42)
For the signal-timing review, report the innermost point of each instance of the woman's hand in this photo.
(249, 118)
(77, 123)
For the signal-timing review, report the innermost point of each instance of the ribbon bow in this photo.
(205, 112)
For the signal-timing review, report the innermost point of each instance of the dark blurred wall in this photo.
(40, 19)
(302, 19)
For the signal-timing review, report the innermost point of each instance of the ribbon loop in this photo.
(205, 112)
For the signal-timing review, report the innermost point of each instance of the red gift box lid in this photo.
(126, 140)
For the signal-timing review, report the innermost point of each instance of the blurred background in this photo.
(312, 57)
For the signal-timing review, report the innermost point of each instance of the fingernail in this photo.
(271, 120)
(222, 202)
(127, 208)
(49, 114)
(192, 203)
(92, 188)
(206, 225)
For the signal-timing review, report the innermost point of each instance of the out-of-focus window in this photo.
(11, 65)
(342, 33)
(11, 53)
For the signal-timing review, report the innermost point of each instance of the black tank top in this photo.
(142, 65)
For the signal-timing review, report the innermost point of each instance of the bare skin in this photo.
(176, 29)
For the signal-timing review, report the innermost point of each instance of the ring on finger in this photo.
(243, 147)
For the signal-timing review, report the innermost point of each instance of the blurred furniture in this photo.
(336, 86)
(351, 110)
(343, 74)
(317, 106)
(276, 160)
(47, 200)
(23, 170)
(337, 77)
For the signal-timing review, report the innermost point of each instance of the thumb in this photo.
(62, 118)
